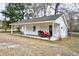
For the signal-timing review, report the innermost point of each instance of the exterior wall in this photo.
(22, 29)
(29, 28)
(57, 30)
(63, 28)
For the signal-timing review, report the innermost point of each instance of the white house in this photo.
(55, 24)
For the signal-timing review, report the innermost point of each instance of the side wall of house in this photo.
(63, 28)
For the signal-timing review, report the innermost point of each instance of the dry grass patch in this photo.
(35, 47)
(70, 42)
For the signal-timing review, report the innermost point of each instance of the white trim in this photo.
(11, 29)
(53, 29)
(65, 20)
(33, 22)
(25, 29)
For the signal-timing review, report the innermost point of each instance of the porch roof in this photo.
(38, 20)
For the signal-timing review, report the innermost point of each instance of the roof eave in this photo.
(33, 22)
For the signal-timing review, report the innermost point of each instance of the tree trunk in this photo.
(44, 10)
(56, 8)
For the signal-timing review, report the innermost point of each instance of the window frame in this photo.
(34, 28)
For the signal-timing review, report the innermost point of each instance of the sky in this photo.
(2, 7)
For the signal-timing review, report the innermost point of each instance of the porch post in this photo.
(53, 29)
(11, 29)
(25, 30)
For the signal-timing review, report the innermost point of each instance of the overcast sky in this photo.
(2, 7)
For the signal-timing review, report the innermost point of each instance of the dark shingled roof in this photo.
(44, 18)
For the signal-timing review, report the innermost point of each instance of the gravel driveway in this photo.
(20, 46)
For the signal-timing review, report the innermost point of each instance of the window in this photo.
(34, 28)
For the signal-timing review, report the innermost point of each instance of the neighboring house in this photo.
(55, 24)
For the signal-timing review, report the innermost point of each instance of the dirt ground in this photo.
(11, 45)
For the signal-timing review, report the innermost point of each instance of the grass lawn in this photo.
(70, 42)
(11, 45)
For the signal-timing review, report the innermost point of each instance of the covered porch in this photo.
(31, 29)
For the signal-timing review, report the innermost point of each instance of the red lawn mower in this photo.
(44, 34)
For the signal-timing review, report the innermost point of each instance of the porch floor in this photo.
(31, 36)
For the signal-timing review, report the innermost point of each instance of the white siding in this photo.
(63, 28)
(42, 27)
(29, 30)
(45, 27)
(21, 29)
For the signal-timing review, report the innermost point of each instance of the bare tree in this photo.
(56, 8)
(70, 11)
(37, 7)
